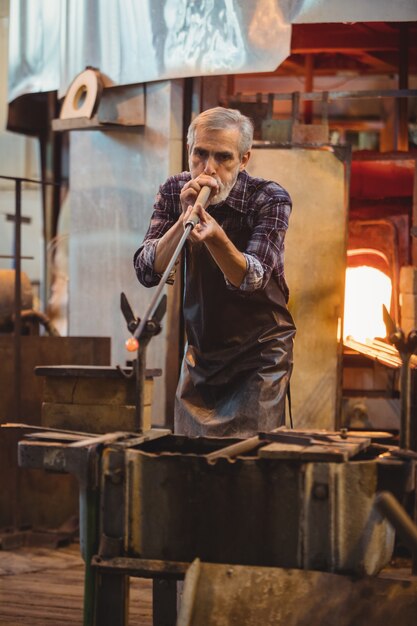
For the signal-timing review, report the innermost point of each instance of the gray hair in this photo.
(220, 118)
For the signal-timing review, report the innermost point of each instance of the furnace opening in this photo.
(367, 288)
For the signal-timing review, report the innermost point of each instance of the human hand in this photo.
(207, 228)
(190, 191)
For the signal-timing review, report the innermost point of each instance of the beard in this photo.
(224, 189)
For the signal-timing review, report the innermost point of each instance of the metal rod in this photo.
(389, 506)
(295, 110)
(388, 357)
(241, 447)
(309, 78)
(142, 568)
(337, 95)
(140, 366)
(405, 386)
(91, 544)
(158, 293)
(17, 300)
(17, 292)
(28, 180)
(193, 220)
(413, 413)
(401, 126)
(414, 560)
(12, 256)
(140, 362)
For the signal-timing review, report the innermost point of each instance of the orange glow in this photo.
(131, 344)
(366, 290)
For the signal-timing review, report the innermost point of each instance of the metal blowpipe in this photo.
(132, 344)
(202, 198)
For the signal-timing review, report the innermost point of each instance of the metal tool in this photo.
(389, 506)
(192, 221)
(18, 220)
(144, 329)
(151, 326)
(406, 346)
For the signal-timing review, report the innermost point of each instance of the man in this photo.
(238, 357)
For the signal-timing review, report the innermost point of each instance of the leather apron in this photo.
(239, 353)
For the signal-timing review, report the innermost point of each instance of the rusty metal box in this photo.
(252, 511)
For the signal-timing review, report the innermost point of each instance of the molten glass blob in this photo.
(131, 344)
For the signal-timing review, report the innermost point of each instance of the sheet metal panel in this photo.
(220, 595)
(315, 253)
(135, 41)
(253, 511)
(327, 11)
(114, 180)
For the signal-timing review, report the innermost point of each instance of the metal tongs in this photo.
(406, 346)
(151, 326)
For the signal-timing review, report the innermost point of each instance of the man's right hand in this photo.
(190, 191)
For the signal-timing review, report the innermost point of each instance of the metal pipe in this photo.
(193, 220)
(157, 295)
(91, 497)
(17, 300)
(17, 294)
(241, 447)
(140, 368)
(401, 126)
(405, 417)
(337, 95)
(390, 508)
(309, 78)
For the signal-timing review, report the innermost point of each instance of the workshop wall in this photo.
(114, 177)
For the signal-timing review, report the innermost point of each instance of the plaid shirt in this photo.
(264, 206)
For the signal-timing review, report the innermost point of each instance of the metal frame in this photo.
(17, 285)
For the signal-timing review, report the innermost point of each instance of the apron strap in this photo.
(289, 405)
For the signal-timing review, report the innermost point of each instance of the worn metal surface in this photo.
(114, 181)
(316, 182)
(253, 511)
(233, 595)
(399, 518)
(28, 497)
(111, 590)
(96, 400)
(143, 568)
(57, 458)
(7, 295)
(175, 505)
(178, 38)
(172, 504)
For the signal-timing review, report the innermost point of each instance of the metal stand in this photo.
(406, 347)
(150, 328)
(144, 329)
(17, 286)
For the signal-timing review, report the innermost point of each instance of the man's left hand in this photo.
(207, 229)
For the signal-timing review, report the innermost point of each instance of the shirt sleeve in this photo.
(165, 214)
(253, 277)
(264, 252)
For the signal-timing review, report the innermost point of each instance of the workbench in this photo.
(151, 503)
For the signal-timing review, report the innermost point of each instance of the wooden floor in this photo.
(42, 587)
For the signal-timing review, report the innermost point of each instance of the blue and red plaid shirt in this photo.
(264, 205)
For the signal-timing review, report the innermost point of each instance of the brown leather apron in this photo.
(238, 358)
